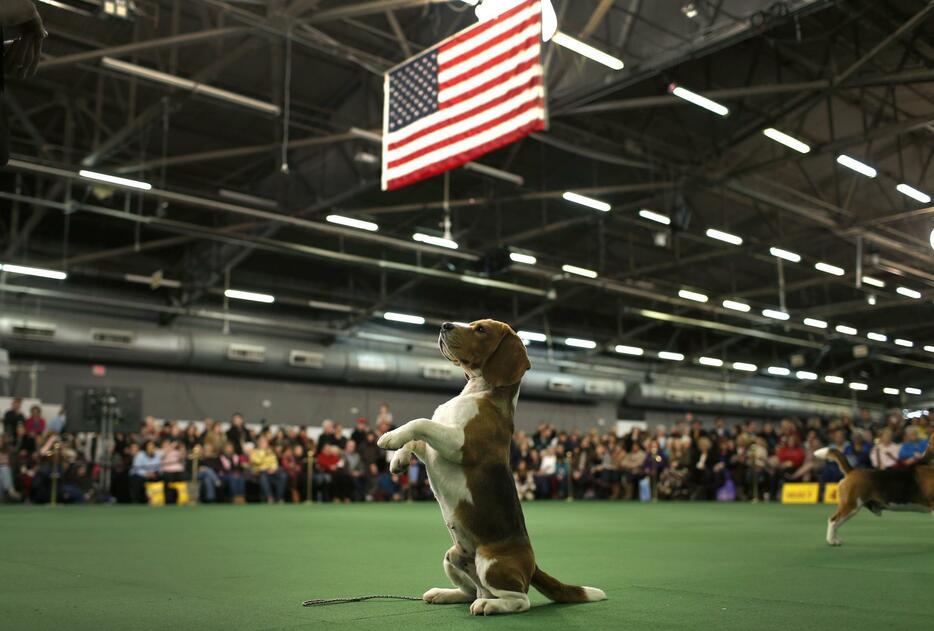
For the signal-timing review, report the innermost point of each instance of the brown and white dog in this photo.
(907, 489)
(465, 447)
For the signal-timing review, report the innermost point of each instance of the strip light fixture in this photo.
(914, 193)
(697, 99)
(877, 337)
(519, 257)
(622, 349)
(579, 271)
(590, 202)
(353, 223)
(250, 296)
(775, 314)
(33, 271)
(532, 336)
(726, 237)
(745, 367)
(651, 215)
(875, 282)
(186, 84)
(735, 305)
(915, 391)
(929, 348)
(710, 361)
(785, 139)
(856, 165)
(827, 268)
(577, 342)
(670, 356)
(113, 179)
(903, 342)
(405, 318)
(779, 371)
(581, 48)
(785, 254)
(846, 330)
(834, 379)
(814, 322)
(856, 385)
(440, 242)
(806, 375)
(687, 294)
(909, 293)
(891, 391)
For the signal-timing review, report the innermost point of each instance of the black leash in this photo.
(318, 602)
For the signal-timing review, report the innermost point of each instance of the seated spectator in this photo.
(6, 471)
(35, 424)
(208, 479)
(857, 451)
(147, 467)
(884, 454)
(525, 484)
(704, 473)
(632, 468)
(272, 479)
(913, 447)
(173, 461)
(326, 464)
(57, 424)
(293, 462)
(352, 473)
(231, 469)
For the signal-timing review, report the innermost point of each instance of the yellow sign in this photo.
(830, 493)
(181, 490)
(800, 493)
(155, 491)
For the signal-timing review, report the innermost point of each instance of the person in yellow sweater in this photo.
(271, 477)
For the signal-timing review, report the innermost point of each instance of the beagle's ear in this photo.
(508, 363)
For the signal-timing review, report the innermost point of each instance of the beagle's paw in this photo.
(391, 440)
(441, 596)
(491, 606)
(835, 541)
(400, 461)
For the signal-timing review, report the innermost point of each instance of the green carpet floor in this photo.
(664, 566)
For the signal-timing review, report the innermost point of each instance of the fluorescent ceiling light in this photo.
(532, 337)
(710, 361)
(252, 296)
(779, 371)
(745, 367)
(187, 84)
(910, 293)
(651, 215)
(700, 101)
(827, 268)
(913, 193)
(580, 271)
(726, 237)
(672, 357)
(113, 179)
(903, 342)
(892, 391)
(775, 314)
(856, 165)
(875, 282)
(403, 317)
(929, 348)
(833, 379)
(846, 330)
(365, 157)
(590, 202)
(785, 139)
(806, 375)
(814, 322)
(736, 306)
(931, 239)
(579, 47)
(499, 174)
(785, 254)
(877, 337)
(913, 391)
(441, 242)
(33, 271)
(518, 257)
(622, 349)
(855, 385)
(687, 294)
(353, 223)
(577, 342)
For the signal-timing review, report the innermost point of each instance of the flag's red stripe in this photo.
(473, 131)
(492, 83)
(495, 61)
(463, 158)
(499, 39)
(485, 26)
(532, 83)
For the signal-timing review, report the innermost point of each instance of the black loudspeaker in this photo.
(90, 409)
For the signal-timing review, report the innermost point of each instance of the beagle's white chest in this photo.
(447, 478)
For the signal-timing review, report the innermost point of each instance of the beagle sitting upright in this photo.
(465, 447)
(907, 489)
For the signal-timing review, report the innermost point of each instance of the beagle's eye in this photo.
(481, 329)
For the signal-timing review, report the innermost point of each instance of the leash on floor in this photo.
(318, 602)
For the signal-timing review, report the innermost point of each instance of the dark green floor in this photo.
(664, 566)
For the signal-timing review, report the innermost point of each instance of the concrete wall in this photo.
(192, 396)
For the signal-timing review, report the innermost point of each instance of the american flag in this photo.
(477, 91)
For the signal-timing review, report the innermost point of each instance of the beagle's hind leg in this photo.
(506, 578)
(458, 568)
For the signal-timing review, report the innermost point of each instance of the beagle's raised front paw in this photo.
(400, 461)
(391, 440)
(441, 596)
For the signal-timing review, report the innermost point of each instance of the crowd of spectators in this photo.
(238, 463)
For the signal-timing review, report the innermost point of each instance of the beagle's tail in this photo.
(557, 591)
(833, 454)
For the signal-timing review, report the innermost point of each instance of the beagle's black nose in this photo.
(447, 326)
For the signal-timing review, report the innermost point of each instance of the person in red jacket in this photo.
(35, 424)
(326, 463)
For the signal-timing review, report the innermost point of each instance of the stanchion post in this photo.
(195, 492)
(309, 466)
(56, 472)
(753, 451)
(656, 460)
(570, 474)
